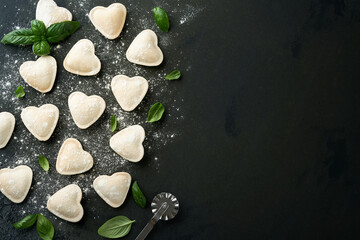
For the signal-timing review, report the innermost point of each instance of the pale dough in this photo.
(15, 183)
(85, 110)
(41, 122)
(7, 125)
(48, 12)
(81, 59)
(129, 92)
(39, 74)
(144, 49)
(109, 21)
(113, 189)
(128, 143)
(72, 159)
(65, 203)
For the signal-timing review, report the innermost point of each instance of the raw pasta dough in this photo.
(41, 122)
(113, 189)
(109, 21)
(7, 125)
(15, 183)
(129, 92)
(65, 203)
(39, 74)
(49, 12)
(72, 159)
(128, 143)
(144, 49)
(85, 110)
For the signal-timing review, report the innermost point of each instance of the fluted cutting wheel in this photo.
(171, 200)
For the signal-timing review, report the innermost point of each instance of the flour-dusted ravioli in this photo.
(85, 110)
(113, 189)
(81, 59)
(144, 49)
(129, 92)
(7, 125)
(41, 122)
(72, 159)
(39, 74)
(65, 203)
(49, 12)
(109, 21)
(128, 143)
(15, 183)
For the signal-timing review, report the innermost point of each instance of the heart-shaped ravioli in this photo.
(15, 183)
(128, 143)
(39, 74)
(7, 125)
(109, 21)
(65, 203)
(85, 110)
(113, 189)
(81, 59)
(144, 49)
(49, 12)
(72, 159)
(41, 122)
(129, 92)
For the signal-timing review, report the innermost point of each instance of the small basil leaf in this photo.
(44, 228)
(26, 222)
(38, 27)
(138, 196)
(116, 227)
(113, 123)
(173, 75)
(19, 93)
(44, 163)
(18, 37)
(59, 31)
(41, 48)
(155, 113)
(161, 19)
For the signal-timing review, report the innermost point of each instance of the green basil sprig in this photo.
(26, 222)
(138, 196)
(161, 19)
(39, 36)
(173, 75)
(19, 93)
(155, 113)
(44, 163)
(44, 227)
(116, 227)
(113, 123)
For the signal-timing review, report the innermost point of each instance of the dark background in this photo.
(269, 143)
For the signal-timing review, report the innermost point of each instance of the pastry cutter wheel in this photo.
(165, 206)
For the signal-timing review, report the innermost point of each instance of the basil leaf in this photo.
(173, 75)
(59, 31)
(138, 196)
(41, 48)
(19, 93)
(38, 27)
(19, 37)
(113, 123)
(44, 228)
(155, 113)
(161, 19)
(44, 163)
(26, 222)
(116, 227)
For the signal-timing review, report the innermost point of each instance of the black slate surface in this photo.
(268, 146)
